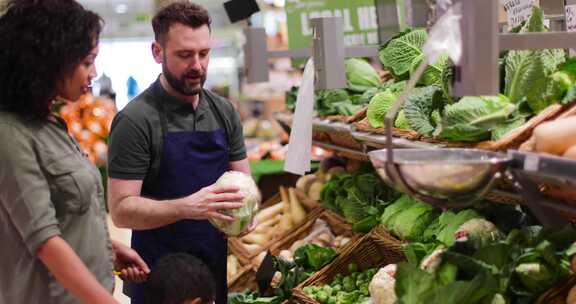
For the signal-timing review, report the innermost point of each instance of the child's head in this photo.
(180, 278)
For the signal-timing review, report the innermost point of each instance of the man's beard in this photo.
(180, 85)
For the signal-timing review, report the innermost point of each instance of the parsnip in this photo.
(255, 238)
(232, 266)
(296, 211)
(315, 190)
(305, 182)
(557, 136)
(270, 222)
(269, 212)
(286, 221)
(252, 247)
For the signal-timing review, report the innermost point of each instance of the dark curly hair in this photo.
(183, 12)
(41, 42)
(177, 278)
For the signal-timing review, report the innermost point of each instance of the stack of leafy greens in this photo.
(359, 197)
(515, 269)
(349, 289)
(533, 80)
(361, 78)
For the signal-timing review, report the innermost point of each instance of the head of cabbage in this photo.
(245, 214)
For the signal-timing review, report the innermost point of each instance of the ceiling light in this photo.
(121, 8)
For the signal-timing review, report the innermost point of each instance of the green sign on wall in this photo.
(360, 21)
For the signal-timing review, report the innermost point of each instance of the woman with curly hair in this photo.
(56, 247)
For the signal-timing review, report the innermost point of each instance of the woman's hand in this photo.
(129, 264)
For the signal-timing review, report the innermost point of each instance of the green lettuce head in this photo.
(245, 214)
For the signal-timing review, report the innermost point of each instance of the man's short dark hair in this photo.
(184, 12)
(177, 278)
(41, 42)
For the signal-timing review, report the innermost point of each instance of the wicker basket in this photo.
(558, 294)
(337, 225)
(349, 119)
(345, 139)
(238, 248)
(245, 279)
(371, 250)
(512, 140)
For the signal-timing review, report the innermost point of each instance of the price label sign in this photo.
(571, 22)
(518, 10)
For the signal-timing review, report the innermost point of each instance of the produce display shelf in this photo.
(366, 140)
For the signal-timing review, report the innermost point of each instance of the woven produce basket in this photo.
(558, 294)
(238, 248)
(245, 279)
(345, 139)
(337, 225)
(512, 140)
(371, 250)
(349, 119)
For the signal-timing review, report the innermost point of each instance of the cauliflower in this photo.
(382, 285)
(479, 231)
(245, 214)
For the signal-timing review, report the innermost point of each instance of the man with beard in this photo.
(169, 145)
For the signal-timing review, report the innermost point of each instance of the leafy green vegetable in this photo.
(333, 102)
(313, 257)
(435, 74)
(410, 223)
(402, 203)
(401, 53)
(249, 297)
(401, 122)
(419, 107)
(292, 275)
(291, 97)
(379, 106)
(503, 128)
(474, 118)
(450, 224)
(356, 196)
(528, 72)
(366, 224)
(361, 75)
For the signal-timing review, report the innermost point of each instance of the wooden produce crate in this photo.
(376, 249)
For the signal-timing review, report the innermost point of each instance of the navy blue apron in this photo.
(190, 160)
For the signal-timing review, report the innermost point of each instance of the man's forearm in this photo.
(141, 213)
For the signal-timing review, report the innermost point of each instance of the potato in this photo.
(557, 136)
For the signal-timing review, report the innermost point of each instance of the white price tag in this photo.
(518, 10)
(571, 22)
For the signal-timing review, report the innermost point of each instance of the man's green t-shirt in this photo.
(135, 141)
